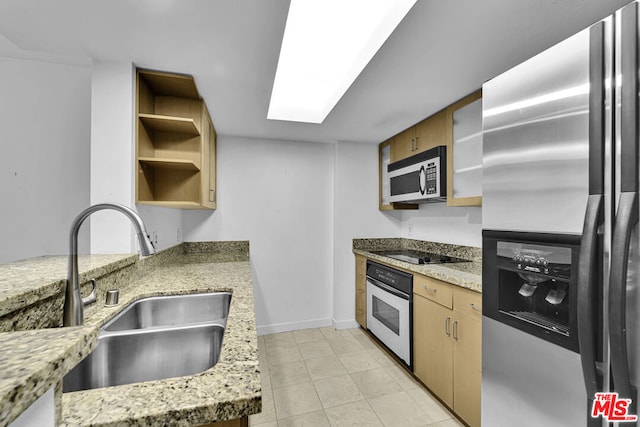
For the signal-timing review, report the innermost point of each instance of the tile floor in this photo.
(326, 377)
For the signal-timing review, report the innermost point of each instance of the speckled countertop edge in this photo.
(231, 389)
(466, 275)
(34, 361)
(29, 281)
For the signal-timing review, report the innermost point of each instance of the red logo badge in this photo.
(612, 408)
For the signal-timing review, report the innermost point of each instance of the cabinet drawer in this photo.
(468, 302)
(433, 289)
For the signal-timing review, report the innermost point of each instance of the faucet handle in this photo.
(92, 296)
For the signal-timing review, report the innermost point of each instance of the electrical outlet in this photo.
(179, 235)
(154, 237)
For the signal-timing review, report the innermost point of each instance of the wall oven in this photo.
(390, 309)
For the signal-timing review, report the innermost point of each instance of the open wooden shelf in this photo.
(175, 164)
(175, 143)
(183, 125)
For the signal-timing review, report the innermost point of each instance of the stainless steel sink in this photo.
(155, 338)
(172, 310)
(145, 355)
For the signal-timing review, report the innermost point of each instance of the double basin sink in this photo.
(155, 338)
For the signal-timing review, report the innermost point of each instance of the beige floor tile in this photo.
(311, 349)
(358, 361)
(271, 424)
(365, 341)
(399, 409)
(281, 339)
(330, 332)
(268, 413)
(337, 391)
(344, 345)
(356, 332)
(402, 377)
(429, 404)
(279, 354)
(382, 357)
(265, 379)
(325, 367)
(307, 335)
(452, 422)
(312, 419)
(295, 400)
(353, 414)
(288, 374)
(375, 382)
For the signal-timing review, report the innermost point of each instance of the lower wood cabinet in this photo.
(361, 291)
(447, 344)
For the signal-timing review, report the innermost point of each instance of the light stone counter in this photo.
(465, 274)
(229, 390)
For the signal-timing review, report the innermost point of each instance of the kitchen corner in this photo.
(37, 354)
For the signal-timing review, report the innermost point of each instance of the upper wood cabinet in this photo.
(175, 143)
(464, 151)
(423, 136)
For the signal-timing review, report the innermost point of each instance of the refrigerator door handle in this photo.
(626, 220)
(588, 281)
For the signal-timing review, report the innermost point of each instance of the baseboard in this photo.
(345, 324)
(293, 326)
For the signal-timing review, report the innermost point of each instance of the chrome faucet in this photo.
(73, 303)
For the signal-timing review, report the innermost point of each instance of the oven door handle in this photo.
(387, 288)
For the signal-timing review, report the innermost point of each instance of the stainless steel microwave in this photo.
(420, 178)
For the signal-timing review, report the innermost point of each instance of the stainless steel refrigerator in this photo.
(560, 236)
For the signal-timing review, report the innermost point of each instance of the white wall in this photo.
(356, 215)
(438, 223)
(44, 167)
(113, 164)
(279, 196)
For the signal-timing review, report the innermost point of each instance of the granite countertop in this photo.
(465, 274)
(231, 389)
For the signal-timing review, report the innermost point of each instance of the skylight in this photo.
(326, 44)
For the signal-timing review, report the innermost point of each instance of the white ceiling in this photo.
(443, 50)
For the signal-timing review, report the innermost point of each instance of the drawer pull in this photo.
(473, 306)
(455, 330)
(430, 290)
(447, 321)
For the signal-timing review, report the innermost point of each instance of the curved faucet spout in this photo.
(73, 306)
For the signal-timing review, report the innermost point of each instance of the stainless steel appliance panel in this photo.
(535, 383)
(536, 142)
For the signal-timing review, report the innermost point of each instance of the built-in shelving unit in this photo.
(175, 143)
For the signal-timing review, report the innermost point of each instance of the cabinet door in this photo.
(433, 347)
(431, 132)
(464, 151)
(467, 368)
(361, 290)
(403, 145)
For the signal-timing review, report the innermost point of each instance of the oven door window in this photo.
(386, 314)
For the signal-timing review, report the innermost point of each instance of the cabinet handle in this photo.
(430, 290)
(415, 144)
(212, 195)
(455, 330)
(473, 306)
(447, 322)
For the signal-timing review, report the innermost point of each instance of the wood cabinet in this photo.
(447, 343)
(464, 151)
(361, 290)
(175, 143)
(423, 136)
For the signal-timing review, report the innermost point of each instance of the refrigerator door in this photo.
(529, 382)
(536, 142)
(624, 295)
